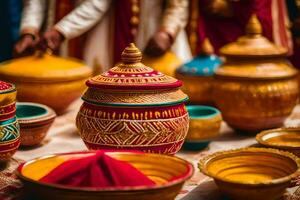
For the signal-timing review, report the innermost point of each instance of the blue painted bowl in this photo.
(205, 123)
(197, 76)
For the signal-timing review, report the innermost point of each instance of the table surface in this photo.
(63, 137)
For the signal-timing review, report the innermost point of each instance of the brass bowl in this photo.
(205, 123)
(281, 138)
(34, 120)
(159, 168)
(251, 173)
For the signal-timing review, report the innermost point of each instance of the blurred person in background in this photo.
(223, 21)
(155, 27)
(294, 16)
(37, 17)
(10, 15)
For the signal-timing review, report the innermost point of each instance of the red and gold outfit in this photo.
(111, 24)
(226, 28)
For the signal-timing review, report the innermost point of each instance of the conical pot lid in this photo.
(253, 43)
(131, 74)
(43, 67)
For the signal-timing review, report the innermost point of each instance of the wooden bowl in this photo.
(205, 123)
(35, 120)
(159, 168)
(251, 173)
(281, 138)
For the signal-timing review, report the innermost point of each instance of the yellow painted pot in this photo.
(257, 87)
(166, 64)
(251, 173)
(46, 79)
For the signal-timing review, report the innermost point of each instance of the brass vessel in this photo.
(46, 79)
(251, 173)
(256, 88)
(197, 75)
(159, 168)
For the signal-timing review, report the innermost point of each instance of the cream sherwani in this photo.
(97, 17)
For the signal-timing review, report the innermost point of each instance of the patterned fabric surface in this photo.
(63, 137)
(10, 186)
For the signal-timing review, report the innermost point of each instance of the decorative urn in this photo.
(46, 79)
(9, 127)
(133, 107)
(256, 88)
(197, 75)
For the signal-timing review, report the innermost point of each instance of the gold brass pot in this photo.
(46, 79)
(256, 88)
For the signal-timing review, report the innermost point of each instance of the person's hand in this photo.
(52, 39)
(159, 44)
(25, 46)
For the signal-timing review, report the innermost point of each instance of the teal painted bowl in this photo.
(35, 120)
(205, 123)
(197, 76)
(9, 138)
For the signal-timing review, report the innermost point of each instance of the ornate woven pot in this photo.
(44, 78)
(197, 75)
(133, 107)
(256, 88)
(9, 127)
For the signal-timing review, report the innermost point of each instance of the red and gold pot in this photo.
(133, 107)
(8, 95)
(9, 127)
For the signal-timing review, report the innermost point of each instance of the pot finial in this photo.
(253, 27)
(131, 54)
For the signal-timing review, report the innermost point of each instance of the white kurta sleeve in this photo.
(175, 16)
(82, 18)
(33, 15)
